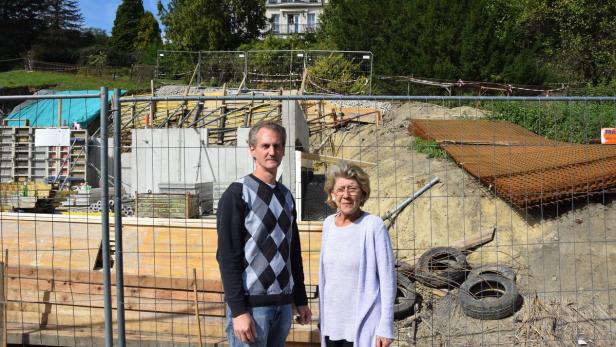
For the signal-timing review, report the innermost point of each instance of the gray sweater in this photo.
(376, 282)
(341, 256)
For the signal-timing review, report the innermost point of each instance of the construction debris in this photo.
(30, 197)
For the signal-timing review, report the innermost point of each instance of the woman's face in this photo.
(347, 195)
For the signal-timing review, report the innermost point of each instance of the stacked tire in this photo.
(487, 292)
(490, 293)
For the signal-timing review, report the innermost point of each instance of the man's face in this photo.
(269, 149)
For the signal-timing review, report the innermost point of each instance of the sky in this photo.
(101, 13)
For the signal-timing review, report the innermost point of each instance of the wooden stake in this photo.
(197, 305)
(59, 113)
(4, 296)
(152, 115)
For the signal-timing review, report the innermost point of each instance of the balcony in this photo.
(294, 3)
(287, 29)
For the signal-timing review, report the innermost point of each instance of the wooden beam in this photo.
(465, 245)
(95, 277)
(334, 160)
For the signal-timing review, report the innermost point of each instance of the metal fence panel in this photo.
(522, 183)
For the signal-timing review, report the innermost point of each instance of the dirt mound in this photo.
(555, 249)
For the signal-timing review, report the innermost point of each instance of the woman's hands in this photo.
(383, 341)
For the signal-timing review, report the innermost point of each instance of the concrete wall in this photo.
(182, 156)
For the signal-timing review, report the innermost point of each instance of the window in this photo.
(293, 23)
(275, 23)
(311, 22)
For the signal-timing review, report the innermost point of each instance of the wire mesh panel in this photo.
(275, 69)
(500, 212)
(177, 66)
(218, 68)
(338, 72)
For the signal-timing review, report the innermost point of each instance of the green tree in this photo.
(20, 25)
(149, 32)
(63, 33)
(467, 39)
(211, 24)
(126, 25)
(577, 37)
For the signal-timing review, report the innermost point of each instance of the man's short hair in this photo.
(252, 134)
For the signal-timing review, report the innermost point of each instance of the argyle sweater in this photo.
(259, 252)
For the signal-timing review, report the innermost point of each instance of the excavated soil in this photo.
(563, 251)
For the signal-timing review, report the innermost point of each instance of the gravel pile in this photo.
(380, 105)
(177, 90)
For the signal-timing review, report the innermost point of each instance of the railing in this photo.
(280, 29)
(275, 2)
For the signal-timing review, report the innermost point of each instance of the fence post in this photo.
(117, 188)
(199, 69)
(105, 219)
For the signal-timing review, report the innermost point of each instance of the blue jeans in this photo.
(272, 323)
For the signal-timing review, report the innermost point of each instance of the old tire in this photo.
(405, 297)
(489, 297)
(441, 267)
(504, 271)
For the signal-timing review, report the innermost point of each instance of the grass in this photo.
(66, 81)
(575, 122)
(430, 148)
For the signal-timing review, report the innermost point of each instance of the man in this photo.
(259, 251)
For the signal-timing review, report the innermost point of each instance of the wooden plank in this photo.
(95, 277)
(3, 308)
(335, 160)
(67, 317)
(93, 336)
(134, 221)
(214, 309)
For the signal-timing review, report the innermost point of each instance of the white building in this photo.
(293, 16)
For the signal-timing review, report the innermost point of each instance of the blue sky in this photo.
(101, 13)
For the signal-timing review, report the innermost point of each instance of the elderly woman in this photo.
(357, 281)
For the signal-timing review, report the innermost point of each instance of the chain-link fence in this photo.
(519, 190)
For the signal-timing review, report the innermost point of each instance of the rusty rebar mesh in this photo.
(463, 131)
(517, 165)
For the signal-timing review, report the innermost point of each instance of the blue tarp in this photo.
(44, 113)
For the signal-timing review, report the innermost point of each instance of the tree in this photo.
(466, 39)
(149, 32)
(62, 15)
(126, 25)
(211, 24)
(20, 24)
(577, 37)
(62, 35)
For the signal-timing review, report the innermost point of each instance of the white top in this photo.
(341, 259)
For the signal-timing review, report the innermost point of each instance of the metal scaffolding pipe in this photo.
(117, 185)
(105, 219)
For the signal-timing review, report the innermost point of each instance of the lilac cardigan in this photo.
(376, 287)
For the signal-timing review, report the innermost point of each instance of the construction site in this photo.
(109, 198)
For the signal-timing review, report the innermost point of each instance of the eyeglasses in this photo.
(352, 190)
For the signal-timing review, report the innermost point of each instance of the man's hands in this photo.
(304, 314)
(244, 328)
(383, 342)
